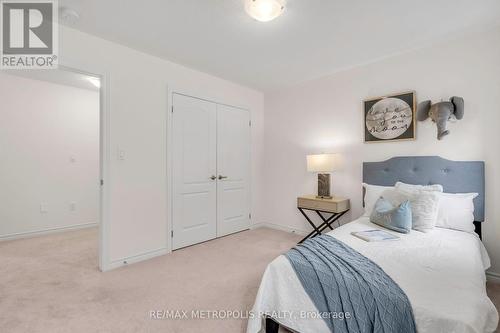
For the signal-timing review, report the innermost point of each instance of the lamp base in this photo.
(323, 197)
(324, 186)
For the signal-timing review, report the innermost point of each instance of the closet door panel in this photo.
(233, 164)
(194, 163)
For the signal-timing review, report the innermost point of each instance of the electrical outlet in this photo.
(72, 206)
(43, 208)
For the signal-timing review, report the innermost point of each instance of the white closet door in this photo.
(233, 164)
(194, 163)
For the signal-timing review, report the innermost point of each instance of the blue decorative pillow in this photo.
(395, 218)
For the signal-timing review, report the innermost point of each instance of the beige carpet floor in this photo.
(52, 284)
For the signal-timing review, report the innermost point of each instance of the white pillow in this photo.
(394, 196)
(411, 187)
(424, 207)
(372, 194)
(456, 211)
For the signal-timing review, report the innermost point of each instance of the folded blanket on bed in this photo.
(343, 283)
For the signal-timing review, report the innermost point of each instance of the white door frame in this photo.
(104, 155)
(170, 92)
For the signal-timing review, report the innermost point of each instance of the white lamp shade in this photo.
(321, 163)
(264, 10)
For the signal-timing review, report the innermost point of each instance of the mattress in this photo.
(442, 273)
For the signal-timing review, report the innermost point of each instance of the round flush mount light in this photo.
(69, 16)
(264, 10)
(95, 81)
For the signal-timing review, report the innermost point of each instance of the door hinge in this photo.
(172, 234)
(102, 182)
(172, 109)
(250, 216)
(249, 123)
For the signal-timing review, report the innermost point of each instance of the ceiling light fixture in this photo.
(95, 81)
(264, 10)
(69, 16)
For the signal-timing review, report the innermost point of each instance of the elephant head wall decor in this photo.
(441, 113)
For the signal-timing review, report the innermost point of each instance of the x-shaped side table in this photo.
(327, 222)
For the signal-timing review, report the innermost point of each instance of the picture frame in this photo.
(390, 118)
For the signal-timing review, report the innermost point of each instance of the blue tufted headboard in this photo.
(455, 176)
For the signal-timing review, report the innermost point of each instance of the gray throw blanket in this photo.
(341, 281)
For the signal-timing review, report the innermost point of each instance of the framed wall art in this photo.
(390, 118)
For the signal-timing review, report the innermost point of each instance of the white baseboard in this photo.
(279, 227)
(42, 232)
(493, 277)
(136, 258)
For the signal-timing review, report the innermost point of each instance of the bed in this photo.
(441, 272)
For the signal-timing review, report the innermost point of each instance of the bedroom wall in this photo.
(326, 115)
(138, 107)
(49, 161)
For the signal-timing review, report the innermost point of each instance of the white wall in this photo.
(49, 155)
(327, 115)
(137, 97)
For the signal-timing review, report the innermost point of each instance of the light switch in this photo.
(121, 154)
(72, 206)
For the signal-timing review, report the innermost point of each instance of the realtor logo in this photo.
(29, 34)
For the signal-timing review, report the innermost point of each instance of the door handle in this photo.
(222, 177)
(213, 178)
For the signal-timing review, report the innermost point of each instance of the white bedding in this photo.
(441, 272)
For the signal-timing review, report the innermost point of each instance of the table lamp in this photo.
(322, 164)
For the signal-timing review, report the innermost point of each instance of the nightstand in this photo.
(336, 206)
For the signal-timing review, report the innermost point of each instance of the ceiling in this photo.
(311, 39)
(59, 76)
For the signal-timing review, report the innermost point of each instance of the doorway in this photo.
(52, 164)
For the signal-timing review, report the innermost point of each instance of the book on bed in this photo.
(375, 235)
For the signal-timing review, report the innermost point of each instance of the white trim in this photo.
(169, 138)
(493, 277)
(104, 151)
(42, 232)
(137, 258)
(279, 227)
(105, 161)
(186, 93)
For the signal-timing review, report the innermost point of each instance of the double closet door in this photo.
(211, 170)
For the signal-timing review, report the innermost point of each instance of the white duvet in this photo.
(441, 272)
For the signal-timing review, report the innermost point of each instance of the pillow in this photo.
(394, 218)
(456, 211)
(424, 207)
(372, 194)
(394, 196)
(410, 187)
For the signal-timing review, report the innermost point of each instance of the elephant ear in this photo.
(423, 110)
(458, 103)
